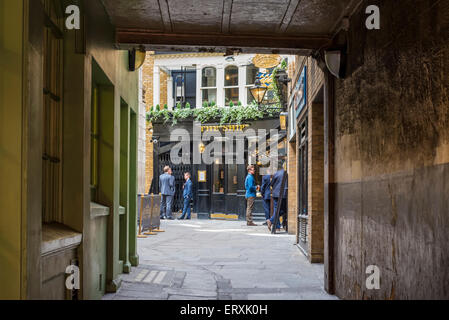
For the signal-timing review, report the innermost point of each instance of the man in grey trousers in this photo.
(167, 189)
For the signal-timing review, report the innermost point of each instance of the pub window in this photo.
(209, 85)
(231, 89)
(52, 113)
(232, 179)
(219, 176)
(251, 74)
(302, 155)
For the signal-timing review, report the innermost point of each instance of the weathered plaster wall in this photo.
(11, 58)
(392, 154)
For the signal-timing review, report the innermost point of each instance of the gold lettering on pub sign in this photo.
(225, 127)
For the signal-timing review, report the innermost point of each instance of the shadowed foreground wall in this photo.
(392, 154)
(11, 182)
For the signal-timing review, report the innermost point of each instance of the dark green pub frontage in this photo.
(219, 188)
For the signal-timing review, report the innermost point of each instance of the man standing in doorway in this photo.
(251, 188)
(187, 195)
(167, 188)
(278, 199)
(265, 190)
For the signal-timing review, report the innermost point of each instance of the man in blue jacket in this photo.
(278, 199)
(188, 196)
(266, 195)
(251, 188)
(167, 189)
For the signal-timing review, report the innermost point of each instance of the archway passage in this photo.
(289, 27)
(233, 26)
(385, 134)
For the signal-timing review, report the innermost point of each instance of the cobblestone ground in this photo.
(225, 260)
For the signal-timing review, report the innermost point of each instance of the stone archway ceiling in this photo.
(284, 26)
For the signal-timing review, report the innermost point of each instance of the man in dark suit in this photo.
(188, 196)
(167, 189)
(276, 183)
(265, 190)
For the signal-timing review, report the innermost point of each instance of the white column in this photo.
(170, 100)
(199, 96)
(242, 83)
(156, 87)
(220, 86)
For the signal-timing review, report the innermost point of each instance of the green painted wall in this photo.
(113, 64)
(11, 182)
(134, 258)
(100, 250)
(124, 186)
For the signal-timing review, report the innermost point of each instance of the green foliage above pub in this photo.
(235, 114)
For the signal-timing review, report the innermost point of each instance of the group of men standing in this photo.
(167, 189)
(271, 187)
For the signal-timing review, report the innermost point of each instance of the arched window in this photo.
(209, 85)
(231, 76)
(231, 82)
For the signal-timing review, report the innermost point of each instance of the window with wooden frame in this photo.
(209, 85)
(231, 85)
(94, 134)
(52, 112)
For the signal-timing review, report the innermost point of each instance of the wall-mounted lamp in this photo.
(336, 62)
(258, 92)
(136, 58)
(202, 148)
(283, 117)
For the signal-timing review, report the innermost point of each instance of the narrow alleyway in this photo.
(206, 259)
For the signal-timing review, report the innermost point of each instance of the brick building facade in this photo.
(306, 174)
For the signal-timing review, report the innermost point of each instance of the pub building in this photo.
(218, 188)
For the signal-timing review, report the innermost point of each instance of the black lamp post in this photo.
(258, 92)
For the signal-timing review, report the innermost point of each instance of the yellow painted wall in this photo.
(11, 51)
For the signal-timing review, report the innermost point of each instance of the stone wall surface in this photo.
(392, 154)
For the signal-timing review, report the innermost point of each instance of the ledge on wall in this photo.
(57, 237)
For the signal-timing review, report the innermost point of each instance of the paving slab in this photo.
(224, 260)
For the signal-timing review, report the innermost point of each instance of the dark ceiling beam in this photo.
(288, 16)
(226, 16)
(165, 15)
(127, 37)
